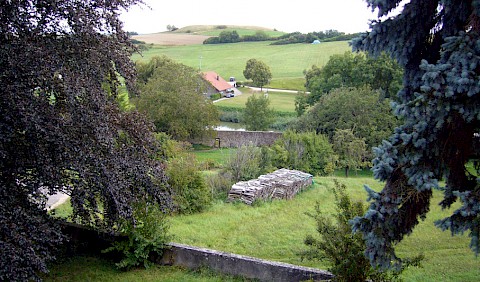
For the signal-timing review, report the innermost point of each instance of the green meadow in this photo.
(287, 62)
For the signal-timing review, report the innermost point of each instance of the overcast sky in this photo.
(285, 15)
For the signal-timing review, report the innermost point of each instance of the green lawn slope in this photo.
(287, 62)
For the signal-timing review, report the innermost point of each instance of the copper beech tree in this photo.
(61, 129)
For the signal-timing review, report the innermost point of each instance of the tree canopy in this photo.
(172, 97)
(438, 44)
(61, 129)
(360, 110)
(257, 115)
(354, 70)
(258, 72)
(351, 150)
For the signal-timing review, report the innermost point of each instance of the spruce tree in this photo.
(437, 42)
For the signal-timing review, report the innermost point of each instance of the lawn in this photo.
(279, 101)
(287, 62)
(217, 156)
(96, 269)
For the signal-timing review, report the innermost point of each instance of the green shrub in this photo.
(146, 239)
(190, 192)
(231, 115)
(215, 96)
(342, 248)
(245, 163)
(220, 184)
(309, 152)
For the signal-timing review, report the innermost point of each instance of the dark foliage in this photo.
(298, 37)
(61, 129)
(224, 37)
(437, 42)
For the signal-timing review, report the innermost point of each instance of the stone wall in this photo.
(248, 267)
(235, 139)
(87, 241)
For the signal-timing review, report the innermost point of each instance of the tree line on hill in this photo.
(289, 38)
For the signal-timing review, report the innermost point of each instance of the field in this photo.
(287, 62)
(171, 39)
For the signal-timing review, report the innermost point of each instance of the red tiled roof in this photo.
(217, 82)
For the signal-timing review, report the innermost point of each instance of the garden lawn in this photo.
(287, 62)
(217, 156)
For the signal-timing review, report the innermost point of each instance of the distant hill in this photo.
(214, 30)
(196, 34)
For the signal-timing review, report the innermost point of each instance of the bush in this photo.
(245, 163)
(215, 96)
(191, 193)
(231, 115)
(342, 248)
(220, 184)
(309, 152)
(146, 240)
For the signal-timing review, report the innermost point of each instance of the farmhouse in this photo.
(217, 83)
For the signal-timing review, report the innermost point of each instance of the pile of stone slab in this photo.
(280, 184)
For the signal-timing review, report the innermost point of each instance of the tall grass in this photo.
(276, 231)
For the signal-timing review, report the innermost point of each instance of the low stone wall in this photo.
(84, 240)
(235, 139)
(232, 264)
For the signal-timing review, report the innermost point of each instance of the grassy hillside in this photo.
(287, 62)
(214, 30)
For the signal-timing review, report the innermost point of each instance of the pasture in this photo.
(286, 62)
